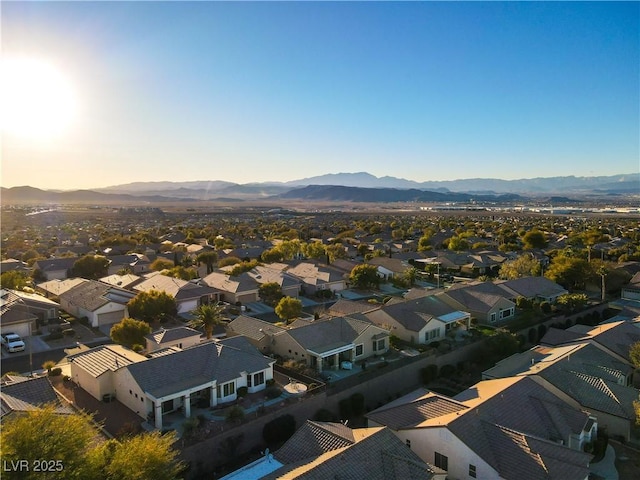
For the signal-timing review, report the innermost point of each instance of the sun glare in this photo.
(37, 101)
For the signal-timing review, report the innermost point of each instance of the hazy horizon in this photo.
(250, 92)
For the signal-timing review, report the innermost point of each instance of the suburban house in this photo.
(122, 281)
(532, 288)
(258, 332)
(482, 432)
(55, 268)
(43, 308)
(330, 450)
(631, 291)
(132, 262)
(22, 394)
(485, 302)
(483, 263)
(243, 288)
(188, 295)
(11, 265)
(316, 277)
(54, 288)
(421, 320)
(274, 273)
(172, 379)
(583, 375)
(389, 268)
(102, 304)
(326, 344)
(181, 337)
(15, 316)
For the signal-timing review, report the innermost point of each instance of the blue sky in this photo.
(249, 92)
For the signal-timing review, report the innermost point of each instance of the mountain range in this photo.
(359, 187)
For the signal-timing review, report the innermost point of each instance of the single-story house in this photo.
(316, 277)
(23, 394)
(172, 379)
(188, 295)
(102, 304)
(423, 320)
(242, 288)
(181, 337)
(15, 314)
(325, 344)
(485, 301)
(55, 268)
(532, 288)
(258, 332)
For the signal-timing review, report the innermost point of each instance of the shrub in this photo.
(242, 391)
(357, 403)
(324, 415)
(55, 372)
(54, 336)
(137, 348)
(279, 429)
(429, 374)
(545, 307)
(235, 413)
(272, 392)
(270, 382)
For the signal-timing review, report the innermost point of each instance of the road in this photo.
(20, 362)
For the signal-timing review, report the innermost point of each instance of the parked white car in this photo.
(12, 342)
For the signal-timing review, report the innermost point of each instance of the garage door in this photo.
(21, 329)
(110, 318)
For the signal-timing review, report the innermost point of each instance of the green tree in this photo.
(289, 248)
(313, 249)
(43, 434)
(534, 239)
(523, 266)
(288, 308)
(272, 255)
(364, 276)
(181, 273)
(458, 244)
(160, 264)
(152, 306)
(570, 272)
(14, 280)
(130, 332)
(140, 457)
(572, 301)
(207, 316)
(634, 354)
(270, 293)
(424, 243)
(208, 258)
(335, 251)
(91, 266)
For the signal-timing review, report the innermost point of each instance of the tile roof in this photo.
(172, 334)
(532, 287)
(58, 287)
(105, 358)
(325, 335)
(374, 453)
(176, 287)
(90, 295)
(24, 395)
(408, 415)
(617, 338)
(252, 327)
(226, 283)
(203, 363)
(478, 297)
(314, 274)
(347, 307)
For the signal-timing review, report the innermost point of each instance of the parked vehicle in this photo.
(12, 342)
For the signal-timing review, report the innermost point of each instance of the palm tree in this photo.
(207, 317)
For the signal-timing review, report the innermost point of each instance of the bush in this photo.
(235, 413)
(270, 382)
(54, 336)
(324, 415)
(279, 429)
(55, 372)
(137, 348)
(272, 392)
(545, 307)
(242, 392)
(429, 373)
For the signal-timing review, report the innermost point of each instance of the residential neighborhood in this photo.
(426, 362)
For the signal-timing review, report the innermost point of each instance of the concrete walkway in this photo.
(606, 468)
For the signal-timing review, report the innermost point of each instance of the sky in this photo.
(278, 91)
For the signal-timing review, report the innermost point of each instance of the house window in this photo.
(381, 344)
(359, 350)
(472, 471)
(493, 317)
(229, 389)
(408, 442)
(441, 461)
(433, 334)
(258, 379)
(249, 377)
